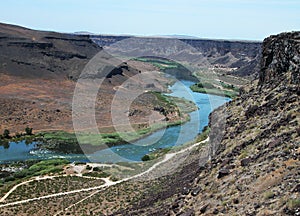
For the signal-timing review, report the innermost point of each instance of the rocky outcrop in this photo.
(281, 54)
(39, 54)
(254, 168)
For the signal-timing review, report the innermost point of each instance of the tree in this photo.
(28, 130)
(6, 134)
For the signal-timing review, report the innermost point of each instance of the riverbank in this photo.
(162, 152)
(223, 89)
(67, 143)
(174, 110)
(149, 140)
(14, 173)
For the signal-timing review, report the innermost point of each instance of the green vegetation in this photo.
(146, 158)
(293, 204)
(28, 131)
(156, 154)
(63, 141)
(47, 167)
(42, 168)
(29, 169)
(36, 168)
(4, 143)
(6, 134)
(162, 64)
(69, 142)
(28, 136)
(161, 152)
(205, 85)
(59, 135)
(269, 195)
(95, 174)
(229, 86)
(208, 88)
(204, 135)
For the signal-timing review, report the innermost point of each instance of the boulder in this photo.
(223, 172)
(196, 191)
(245, 162)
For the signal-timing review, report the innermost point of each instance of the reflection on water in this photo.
(5, 144)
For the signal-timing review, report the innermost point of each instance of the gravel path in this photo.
(107, 184)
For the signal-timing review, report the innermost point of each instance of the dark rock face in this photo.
(223, 172)
(196, 191)
(262, 135)
(188, 212)
(251, 111)
(281, 53)
(241, 56)
(296, 189)
(245, 162)
(41, 54)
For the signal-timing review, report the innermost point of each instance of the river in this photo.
(169, 137)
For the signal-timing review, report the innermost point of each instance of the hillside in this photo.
(253, 155)
(38, 74)
(40, 54)
(256, 167)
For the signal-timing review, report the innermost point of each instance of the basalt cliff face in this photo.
(233, 57)
(281, 54)
(41, 54)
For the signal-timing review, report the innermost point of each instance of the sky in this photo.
(216, 19)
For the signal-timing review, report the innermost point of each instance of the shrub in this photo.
(22, 174)
(97, 169)
(269, 195)
(146, 158)
(97, 174)
(293, 204)
(18, 135)
(114, 179)
(205, 85)
(10, 178)
(28, 130)
(6, 134)
(89, 167)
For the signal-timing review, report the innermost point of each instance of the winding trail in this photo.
(107, 183)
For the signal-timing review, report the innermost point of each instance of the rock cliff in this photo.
(241, 57)
(41, 54)
(281, 54)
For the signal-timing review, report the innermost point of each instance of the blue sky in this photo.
(223, 19)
